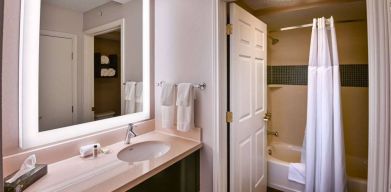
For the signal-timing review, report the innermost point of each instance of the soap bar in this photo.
(25, 180)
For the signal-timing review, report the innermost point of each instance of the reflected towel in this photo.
(111, 72)
(130, 97)
(167, 100)
(139, 97)
(104, 60)
(185, 107)
(297, 172)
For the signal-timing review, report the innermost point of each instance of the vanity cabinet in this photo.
(183, 176)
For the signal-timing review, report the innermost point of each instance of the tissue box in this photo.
(25, 180)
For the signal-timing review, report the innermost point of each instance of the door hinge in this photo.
(92, 108)
(72, 109)
(229, 117)
(229, 29)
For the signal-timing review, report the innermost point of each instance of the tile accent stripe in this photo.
(352, 75)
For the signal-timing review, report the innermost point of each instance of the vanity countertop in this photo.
(107, 173)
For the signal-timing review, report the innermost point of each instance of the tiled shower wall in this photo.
(287, 68)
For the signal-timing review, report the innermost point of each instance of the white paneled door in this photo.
(247, 102)
(55, 82)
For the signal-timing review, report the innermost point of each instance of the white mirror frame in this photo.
(29, 135)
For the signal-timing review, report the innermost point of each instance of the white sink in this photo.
(147, 150)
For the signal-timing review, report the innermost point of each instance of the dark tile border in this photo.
(352, 75)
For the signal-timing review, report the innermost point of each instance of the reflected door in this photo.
(55, 82)
(247, 102)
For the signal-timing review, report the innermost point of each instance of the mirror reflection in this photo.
(90, 61)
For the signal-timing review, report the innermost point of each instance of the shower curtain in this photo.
(323, 150)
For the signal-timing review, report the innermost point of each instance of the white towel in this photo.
(88, 150)
(167, 101)
(104, 60)
(103, 72)
(111, 72)
(130, 97)
(139, 96)
(167, 96)
(297, 172)
(185, 107)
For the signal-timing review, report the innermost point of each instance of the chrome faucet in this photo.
(274, 133)
(129, 133)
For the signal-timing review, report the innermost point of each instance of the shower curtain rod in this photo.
(310, 25)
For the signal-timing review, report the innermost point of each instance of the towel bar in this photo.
(201, 86)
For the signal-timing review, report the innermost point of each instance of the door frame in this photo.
(75, 76)
(88, 71)
(379, 156)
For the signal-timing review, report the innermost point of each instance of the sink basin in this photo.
(147, 150)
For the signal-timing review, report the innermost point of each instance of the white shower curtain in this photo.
(323, 150)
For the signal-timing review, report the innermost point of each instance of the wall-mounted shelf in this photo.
(112, 65)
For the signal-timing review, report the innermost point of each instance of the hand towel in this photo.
(297, 172)
(167, 101)
(139, 97)
(130, 97)
(104, 60)
(167, 96)
(185, 107)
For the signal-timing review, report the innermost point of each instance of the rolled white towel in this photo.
(104, 60)
(111, 72)
(88, 150)
(103, 72)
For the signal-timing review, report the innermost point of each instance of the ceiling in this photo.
(285, 13)
(77, 5)
(261, 4)
(81, 5)
(114, 35)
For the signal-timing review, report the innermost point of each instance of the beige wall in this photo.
(107, 91)
(183, 41)
(294, 45)
(288, 103)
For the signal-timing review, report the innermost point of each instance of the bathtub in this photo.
(281, 154)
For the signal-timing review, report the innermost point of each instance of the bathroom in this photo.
(175, 42)
(287, 82)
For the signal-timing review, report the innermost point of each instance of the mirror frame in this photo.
(29, 135)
